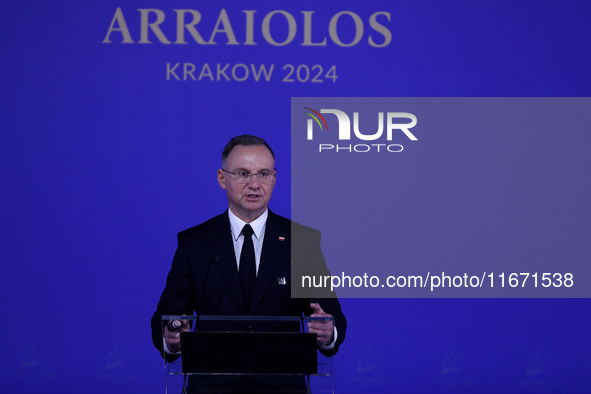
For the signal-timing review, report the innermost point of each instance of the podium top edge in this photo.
(245, 318)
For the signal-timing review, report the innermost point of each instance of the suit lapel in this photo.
(271, 255)
(221, 239)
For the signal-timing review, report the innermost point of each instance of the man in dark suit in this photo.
(240, 263)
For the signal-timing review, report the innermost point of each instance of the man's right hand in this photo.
(172, 338)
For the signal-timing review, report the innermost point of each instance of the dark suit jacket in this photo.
(204, 276)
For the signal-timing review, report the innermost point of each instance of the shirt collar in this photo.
(258, 225)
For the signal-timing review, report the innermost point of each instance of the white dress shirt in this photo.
(258, 227)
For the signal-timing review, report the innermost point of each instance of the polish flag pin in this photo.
(282, 238)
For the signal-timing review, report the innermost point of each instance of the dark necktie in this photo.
(247, 270)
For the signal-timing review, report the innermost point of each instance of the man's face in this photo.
(247, 200)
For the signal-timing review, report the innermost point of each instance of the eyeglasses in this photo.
(265, 177)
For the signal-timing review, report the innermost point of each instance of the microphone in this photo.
(211, 263)
(175, 325)
(198, 310)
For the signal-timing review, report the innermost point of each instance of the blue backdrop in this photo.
(110, 142)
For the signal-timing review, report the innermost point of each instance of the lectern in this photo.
(248, 349)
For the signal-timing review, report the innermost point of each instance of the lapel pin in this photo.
(281, 281)
(282, 238)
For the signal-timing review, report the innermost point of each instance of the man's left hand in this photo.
(324, 330)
